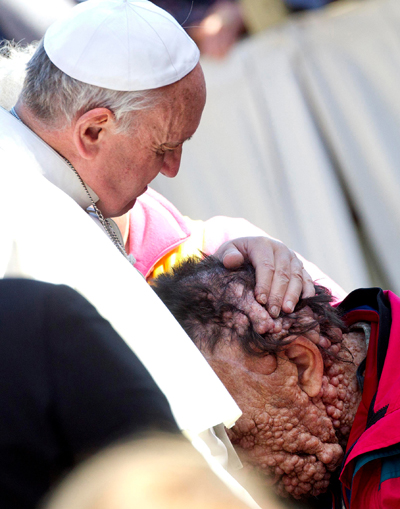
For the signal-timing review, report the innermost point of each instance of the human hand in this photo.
(280, 276)
(220, 29)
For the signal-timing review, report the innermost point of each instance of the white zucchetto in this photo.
(121, 45)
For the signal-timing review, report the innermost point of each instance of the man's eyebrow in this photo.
(175, 144)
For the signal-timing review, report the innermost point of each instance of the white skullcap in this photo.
(121, 45)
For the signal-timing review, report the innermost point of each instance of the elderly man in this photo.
(308, 388)
(110, 96)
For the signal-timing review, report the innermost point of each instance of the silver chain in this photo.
(104, 222)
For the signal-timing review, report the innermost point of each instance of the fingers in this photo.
(233, 254)
(299, 284)
(308, 285)
(280, 276)
(290, 281)
(258, 315)
(260, 252)
(230, 255)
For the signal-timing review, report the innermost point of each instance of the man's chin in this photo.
(117, 212)
(127, 208)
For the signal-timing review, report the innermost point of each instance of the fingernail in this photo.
(274, 311)
(290, 305)
(262, 299)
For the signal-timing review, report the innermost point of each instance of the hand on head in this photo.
(280, 276)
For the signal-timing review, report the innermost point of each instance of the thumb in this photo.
(231, 257)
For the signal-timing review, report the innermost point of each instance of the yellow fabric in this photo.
(191, 246)
(261, 14)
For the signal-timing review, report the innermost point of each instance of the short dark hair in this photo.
(197, 292)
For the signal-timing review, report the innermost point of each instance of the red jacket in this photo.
(371, 472)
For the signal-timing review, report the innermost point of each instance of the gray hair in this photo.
(56, 99)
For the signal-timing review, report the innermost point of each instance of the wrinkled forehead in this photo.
(188, 96)
(178, 109)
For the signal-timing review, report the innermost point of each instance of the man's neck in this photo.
(57, 139)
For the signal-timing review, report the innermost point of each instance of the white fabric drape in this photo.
(47, 236)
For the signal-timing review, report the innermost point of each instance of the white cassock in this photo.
(48, 236)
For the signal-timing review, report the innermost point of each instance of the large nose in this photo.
(172, 161)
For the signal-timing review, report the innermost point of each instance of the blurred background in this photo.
(301, 130)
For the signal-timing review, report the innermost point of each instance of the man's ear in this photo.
(91, 129)
(309, 362)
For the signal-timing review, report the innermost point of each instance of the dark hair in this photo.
(199, 294)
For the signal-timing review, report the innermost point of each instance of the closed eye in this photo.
(166, 147)
(163, 150)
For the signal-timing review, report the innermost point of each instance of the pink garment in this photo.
(157, 227)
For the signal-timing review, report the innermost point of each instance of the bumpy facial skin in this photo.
(293, 440)
(281, 433)
(295, 382)
(340, 391)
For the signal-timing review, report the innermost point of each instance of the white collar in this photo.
(53, 166)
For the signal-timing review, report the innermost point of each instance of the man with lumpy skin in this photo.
(320, 393)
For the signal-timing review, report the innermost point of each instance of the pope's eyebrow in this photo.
(176, 144)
